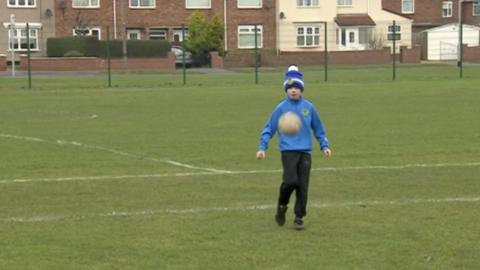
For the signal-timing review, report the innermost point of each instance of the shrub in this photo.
(57, 47)
(135, 48)
(73, 53)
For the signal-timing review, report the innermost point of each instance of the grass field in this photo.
(151, 174)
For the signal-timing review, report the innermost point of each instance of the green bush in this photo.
(57, 47)
(90, 46)
(73, 53)
(135, 48)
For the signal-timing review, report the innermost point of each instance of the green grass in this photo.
(85, 181)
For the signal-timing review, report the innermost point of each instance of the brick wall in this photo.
(3, 62)
(216, 60)
(369, 57)
(93, 63)
(410, 56)
(143, 63)
(471, 54)
(60, 63)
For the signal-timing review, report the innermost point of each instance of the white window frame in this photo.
(476, 7)
(398, 31)
(240, 5)
(308, 3)
(26, 5)
(157, 36)
(404, 10)
(178, 32)
(190, 6)
(90, 32)
(344, 3)
(18, 37)
(314, 35)
(447, 9)
(153, 4)
(134, 31)
(89, 5)
(250, 31)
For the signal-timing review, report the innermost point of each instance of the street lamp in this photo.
(12, 44)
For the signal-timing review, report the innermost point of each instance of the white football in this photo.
(289, 123)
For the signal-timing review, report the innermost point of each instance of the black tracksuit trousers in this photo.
(296, 174)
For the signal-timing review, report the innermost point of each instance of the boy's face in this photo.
(294, 93)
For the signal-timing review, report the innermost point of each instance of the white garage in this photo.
(442, 41)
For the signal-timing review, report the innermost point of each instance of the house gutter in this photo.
(114, 20)
(225, 39)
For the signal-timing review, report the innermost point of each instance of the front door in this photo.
(347, 38)
(351, 36)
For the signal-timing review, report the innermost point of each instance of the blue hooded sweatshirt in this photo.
(301, 141)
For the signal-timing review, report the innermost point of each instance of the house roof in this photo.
(353, 19)
(454, 24)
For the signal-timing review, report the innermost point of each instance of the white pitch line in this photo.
(109, 150)
(105, 177)
(221, 172)
(149, 212)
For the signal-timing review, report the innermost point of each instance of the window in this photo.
(476, 9)
(249, 3)
(365, 35)
(17, 39)
(344, 2)
(198, 4)
(86, 3)
(307, 3)
(447, 9)
(398, 35)
(93, 31)
(246, 36)
(142, 3)
(22, 3)
(134, 34)
(308, 36)
(158, 33)
(177, 34)
(408, 6)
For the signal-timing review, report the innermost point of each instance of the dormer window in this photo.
(307, 3)
(344, 3)
(408, 6)
(22, 3)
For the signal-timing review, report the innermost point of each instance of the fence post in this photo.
(29, 58)
(394, 50)
(325, 53)
(183, 56)
(256, 55)
(109, 64)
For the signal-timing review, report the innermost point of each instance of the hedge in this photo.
(57, 47)
(90, 46)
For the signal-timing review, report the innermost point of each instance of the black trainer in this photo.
(280, 216)
(298, 224)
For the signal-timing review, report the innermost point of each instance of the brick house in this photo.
(433, 13)
(162, 19)
(435, 24)
(40, 17)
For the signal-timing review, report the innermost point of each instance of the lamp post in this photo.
(12, 44)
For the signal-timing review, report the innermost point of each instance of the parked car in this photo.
(178, 51)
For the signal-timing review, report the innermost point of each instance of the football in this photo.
(289, 123)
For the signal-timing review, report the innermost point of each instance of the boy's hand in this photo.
(327, 152)
(260, 154)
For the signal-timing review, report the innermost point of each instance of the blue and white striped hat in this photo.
(293, 78)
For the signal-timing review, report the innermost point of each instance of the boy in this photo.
(295, 148)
